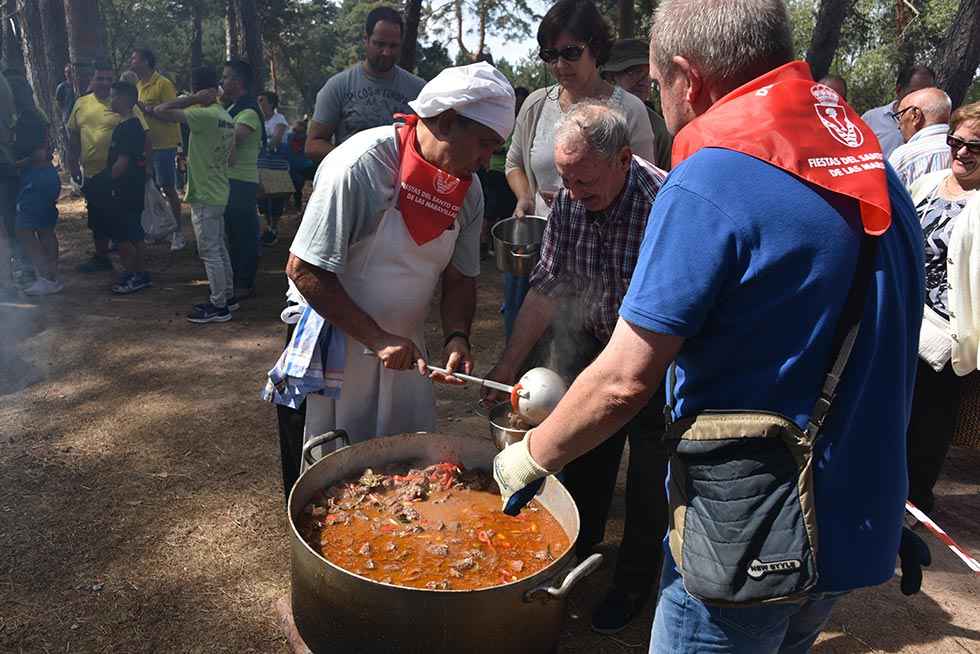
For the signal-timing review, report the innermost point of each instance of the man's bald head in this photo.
(922, 108)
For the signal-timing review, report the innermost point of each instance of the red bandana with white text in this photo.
(428, 198)
(786, 119)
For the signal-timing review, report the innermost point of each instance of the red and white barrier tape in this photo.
(938, 532)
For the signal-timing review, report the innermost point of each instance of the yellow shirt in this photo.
(157, 90)
(94, 121)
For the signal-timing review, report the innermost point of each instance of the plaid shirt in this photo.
(591, 256)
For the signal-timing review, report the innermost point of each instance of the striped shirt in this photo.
(925, 152)
(591, 256)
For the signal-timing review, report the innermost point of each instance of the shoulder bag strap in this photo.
(846, 335)
(847, 332)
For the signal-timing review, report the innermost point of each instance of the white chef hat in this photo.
(478, 91)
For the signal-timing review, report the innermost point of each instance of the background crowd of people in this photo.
(590, 152)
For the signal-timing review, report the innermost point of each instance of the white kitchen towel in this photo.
(312, 363)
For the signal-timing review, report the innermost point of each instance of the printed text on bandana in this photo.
(841, 166)
(429, 201)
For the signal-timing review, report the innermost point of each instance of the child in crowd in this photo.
(125, 179)
(37, 214)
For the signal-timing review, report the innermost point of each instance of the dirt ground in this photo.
(141, 507)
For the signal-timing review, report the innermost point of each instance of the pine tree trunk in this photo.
(52, 16)
(413, 14)
(13, 56)
(627, 19)
(197, 35)
(233, 44)
(826, 35)
(248, 16)
(35, 48)
(86, 39)
(45, 60)
(958, 61)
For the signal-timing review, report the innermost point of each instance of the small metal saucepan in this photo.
(503, 434)
(517, 244)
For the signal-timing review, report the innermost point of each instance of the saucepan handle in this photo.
(582, 570)
(317, 441)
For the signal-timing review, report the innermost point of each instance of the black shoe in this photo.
(616, 610)
(96, 264)
(233, 304)
(270, 238)
(207, 312)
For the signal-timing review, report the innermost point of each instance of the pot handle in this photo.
(518, 255)
(317, 441)
(583, 569)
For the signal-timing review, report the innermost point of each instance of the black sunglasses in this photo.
(898, 114)
(568, 53)
(956, 143)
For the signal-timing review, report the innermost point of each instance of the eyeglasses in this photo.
(898, 114)
(568, 53)
(955, 142)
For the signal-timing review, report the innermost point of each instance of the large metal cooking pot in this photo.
(517, 244)
(338, 611)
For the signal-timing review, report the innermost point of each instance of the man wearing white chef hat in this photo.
(395, 211)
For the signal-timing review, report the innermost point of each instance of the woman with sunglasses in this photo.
(948, 204)
(574, 41)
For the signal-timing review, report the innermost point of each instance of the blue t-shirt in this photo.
(38, 194)
(752, 266)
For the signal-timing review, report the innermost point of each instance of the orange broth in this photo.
(457, 538)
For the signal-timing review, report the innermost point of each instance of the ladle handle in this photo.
(497, 386)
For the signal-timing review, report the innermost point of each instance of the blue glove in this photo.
(520, 499)
(913, 554)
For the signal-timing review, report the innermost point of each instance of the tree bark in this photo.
(233, 45)
(252, 41)
(197, 34)
(86, 39)
(413, 15)
(959, 58)
(35, 47)
(626, 19)
(13, 56)
(52, 16)
(826, 35)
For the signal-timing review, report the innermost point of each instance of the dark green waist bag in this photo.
(743, 525)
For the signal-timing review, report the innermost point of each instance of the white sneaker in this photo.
(177, 242)
(43, 286)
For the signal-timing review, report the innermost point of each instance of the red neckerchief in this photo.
(429, 198)
(786, 119)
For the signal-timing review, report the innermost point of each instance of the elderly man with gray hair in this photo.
(923, 118)
(589, 249)
(779, 279)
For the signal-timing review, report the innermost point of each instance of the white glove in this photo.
(514, 468)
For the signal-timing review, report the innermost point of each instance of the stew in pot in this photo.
(439, 528)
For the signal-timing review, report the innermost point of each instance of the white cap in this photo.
(478, 91)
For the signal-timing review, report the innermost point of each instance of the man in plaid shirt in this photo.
(588, 253)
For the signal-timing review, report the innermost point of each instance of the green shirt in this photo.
(247, 152)
(212, 135)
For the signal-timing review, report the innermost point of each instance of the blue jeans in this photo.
(242, 228)
(684, 625)
(515, 290)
